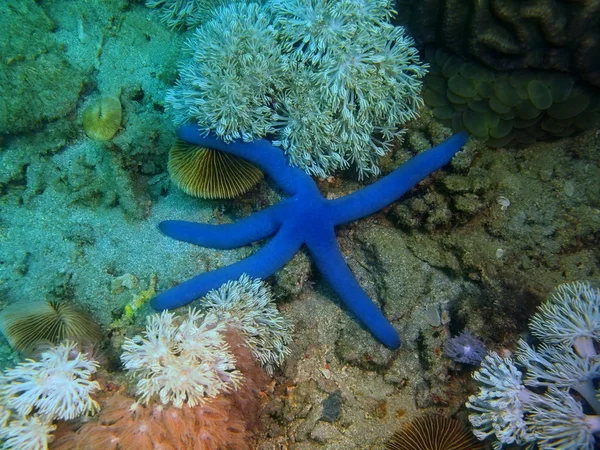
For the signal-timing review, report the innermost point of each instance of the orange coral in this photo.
(224, 422)
(125, 424)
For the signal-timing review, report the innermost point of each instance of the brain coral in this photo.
(561, 35)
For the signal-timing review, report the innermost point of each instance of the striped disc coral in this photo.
(433, 433)
(208, 173)
(26, 325)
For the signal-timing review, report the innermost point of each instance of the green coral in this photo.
(507, 108)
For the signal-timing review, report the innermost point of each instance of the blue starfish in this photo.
(306, 217)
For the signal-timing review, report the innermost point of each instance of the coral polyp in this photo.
(433, 432)
(331, 82)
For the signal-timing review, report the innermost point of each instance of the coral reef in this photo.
(503, 218)
(332, 82)
(506, 109)
(181, 360)
(226, 420)
(562, 35)
(37, 83)
(539, 405)
(43, 322)
(207, 173)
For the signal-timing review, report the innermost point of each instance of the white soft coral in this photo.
(32, 433)
(181, 359)
(542, 408)
(247, 305)
(58, 386)
(499, 405)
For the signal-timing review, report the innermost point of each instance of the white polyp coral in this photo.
(179, 14)
(58, 386)
(565, 362)
(558, 366)
(571, 316)
(31, 433)
(226, 85)
(365, 73)
(499, 403)
(331, 82)
(181, 360)
(558, 421)
(247, 305)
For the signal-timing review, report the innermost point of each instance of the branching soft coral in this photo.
(181, 359)
(226, 85)
(331, 82)
(35, 393)
(247, 305)
(179, 14)
(513, 408)
(222, 422)
(31, 433)
(58, 386)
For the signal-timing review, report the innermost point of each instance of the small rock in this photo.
(127, 281)
(332, 407)
(324, 432)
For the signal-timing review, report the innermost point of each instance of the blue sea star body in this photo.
(305, 217)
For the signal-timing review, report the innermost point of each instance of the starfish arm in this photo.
(226, 236)
(378, 195)
(259, 152)
(266, 261)
(332, 266)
